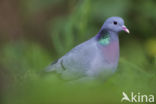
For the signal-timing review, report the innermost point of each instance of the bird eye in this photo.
(115, 23)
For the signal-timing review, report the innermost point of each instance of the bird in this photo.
(95, 58)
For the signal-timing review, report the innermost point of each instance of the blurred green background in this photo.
(33, 33)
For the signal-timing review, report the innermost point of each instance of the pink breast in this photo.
(111, 51)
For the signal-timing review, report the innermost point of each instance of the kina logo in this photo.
(137, 97)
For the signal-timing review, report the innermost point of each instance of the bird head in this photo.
(115, 24)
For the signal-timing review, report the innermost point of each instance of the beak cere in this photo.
(125, 29)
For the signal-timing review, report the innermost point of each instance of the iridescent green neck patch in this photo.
(103, 37)
(104, 40)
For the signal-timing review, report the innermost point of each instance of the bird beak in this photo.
(125, 29)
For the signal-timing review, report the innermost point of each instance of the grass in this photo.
(24, 61)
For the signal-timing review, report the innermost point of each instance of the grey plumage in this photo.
(97, 56)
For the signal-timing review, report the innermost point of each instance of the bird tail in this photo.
(51, 67)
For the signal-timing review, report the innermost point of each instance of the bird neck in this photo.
(103, 37)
